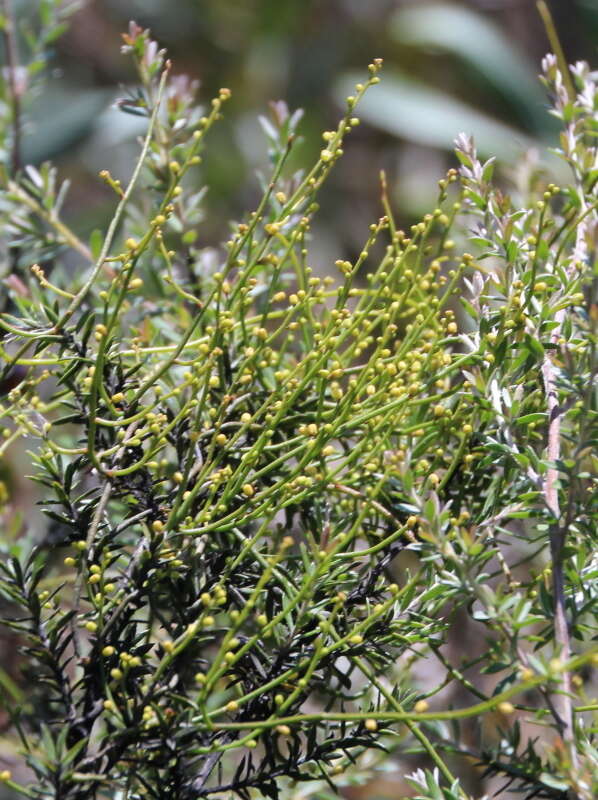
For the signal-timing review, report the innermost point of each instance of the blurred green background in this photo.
(449, 66)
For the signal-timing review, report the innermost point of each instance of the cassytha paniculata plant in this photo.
(271, 496)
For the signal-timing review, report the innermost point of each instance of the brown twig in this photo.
(558, 530)
(558, 535)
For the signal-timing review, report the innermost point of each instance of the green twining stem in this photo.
(111, 232)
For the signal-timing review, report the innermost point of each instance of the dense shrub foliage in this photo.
(274, 497)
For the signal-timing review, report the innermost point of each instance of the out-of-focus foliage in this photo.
(489, 56)
(472, 61)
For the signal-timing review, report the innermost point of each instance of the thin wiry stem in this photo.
(555, 44)
(110, 234)
(49, 216)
